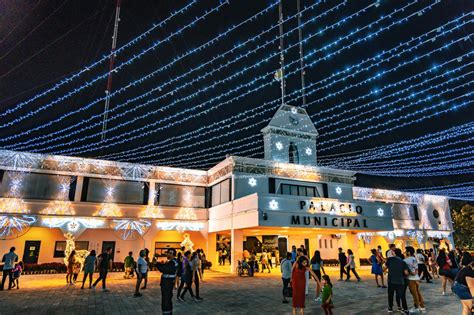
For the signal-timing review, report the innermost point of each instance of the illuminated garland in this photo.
(152, 212)
(128, 228)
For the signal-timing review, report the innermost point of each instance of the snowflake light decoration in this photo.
(279, 145)
(179, 226)
(294, 110)
(72, 224)
(252, 182)
(136, 171)
(128, 228)
(12, 226)
(18, 160)
(308, 151)
(13, 205)
(380, 212)
(338, 190)
(152, 212)
(273, 204)
(59, 207)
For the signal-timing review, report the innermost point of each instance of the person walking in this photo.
(128, 264)
(142, 272)
(298, 283)
(422, 269)
(16, 275)
(432, 263)
(276, 253)
(71, 260)
(444, 264)
(186, 278)
(326, 294)
(342, 263)
(179, 271)
(414, 281)
(8, 260)
(285, 268)
(89, 267)
(464, 286)
(264, 260)
(105, 263)
(195, 263)
(350, 266)
(168, 275)
(397, 271)
(316, 267)
(376, 263)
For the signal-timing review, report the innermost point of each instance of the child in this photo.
(16, 275)
(76, 270)
(326, 295)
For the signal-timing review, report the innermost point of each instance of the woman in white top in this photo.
(414, 281)
(142, 271)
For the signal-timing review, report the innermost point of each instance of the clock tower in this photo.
(290, 137)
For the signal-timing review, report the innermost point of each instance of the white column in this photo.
(237, 248)
(79, 185)
(151, 192)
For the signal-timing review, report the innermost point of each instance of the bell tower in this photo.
(290, 137)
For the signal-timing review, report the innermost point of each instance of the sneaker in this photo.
(400, 310)
(197, 299)
(318, 299)
(390, 311)
(105, 290)
(422, 310)
(443, 293)
(413, 310)
(180, 299)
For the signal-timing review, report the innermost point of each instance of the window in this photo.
(330, 243)
(220, 193)
(320, 243)
(297, 190)
(180, 196)
(60, 247)
(415, 212)
(325, 243)
(293, 156)
(35, 185)
(128, 192)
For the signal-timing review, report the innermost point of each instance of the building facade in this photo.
(241, 203)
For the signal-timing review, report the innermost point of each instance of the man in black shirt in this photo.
(168, 277)
(105, 263)
(397, 271)
(342, 263)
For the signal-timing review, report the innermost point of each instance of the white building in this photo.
(243, 203)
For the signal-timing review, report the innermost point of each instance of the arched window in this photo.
(293, 156)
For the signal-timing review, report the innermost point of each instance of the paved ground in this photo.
(222, 293)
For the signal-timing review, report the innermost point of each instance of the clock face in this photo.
(294, 120)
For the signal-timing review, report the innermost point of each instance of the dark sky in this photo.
(43, 41)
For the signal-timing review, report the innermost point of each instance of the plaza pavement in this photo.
(222, 293)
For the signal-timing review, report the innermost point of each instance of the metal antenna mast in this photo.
(282, 56)
(111, 69)
(300, 38)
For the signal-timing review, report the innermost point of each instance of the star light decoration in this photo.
(12, 226)
(108, 210)
(252, 182)
(279, 145)
(129, 228)
(308, 151)
(152, 211)
(273, 204)
(380, 212)
(294, 110)
(338, 190)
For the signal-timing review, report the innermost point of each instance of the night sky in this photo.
(357, 84)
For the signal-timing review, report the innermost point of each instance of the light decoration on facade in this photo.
(366, 237)
(59, 207)
(294, 110)
(186, 214)
(416, 234)
(81, 254)
(128, 228)
(273, 204)
(308, 151)
(179, 225)
(18, 160)
(391, 235)
(108, 210)
(252, 182)
(152, 211)
(371, 194)
(187, 243)
(279, 146)
(12, 226)
(438, 234)
(72, 223)
(380, 212)
(338, 190)
(13, 205)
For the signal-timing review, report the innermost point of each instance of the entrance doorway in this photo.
(31, 253)
(107, 244)
(282, 246)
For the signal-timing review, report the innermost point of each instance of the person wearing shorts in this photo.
(464, 287)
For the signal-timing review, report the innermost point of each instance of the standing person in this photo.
(326, 294)
(421, 260)
(466, 259)
(464, 287)
(293, 254)
(342, 263)
(264, 261)
(432, 262)
(350, 266)
(444, 264)
(70, 267)
(76, 270)
(186, 278)
(277, 257)
(376, 267)
(129, 264)
(391, 251)
(89, 266)
(8, 260)
(105, 263)
(142, 272)
(316, 267)
(147, 259)
(414, 281)
(223, 256)
(397, 271)
(195, 263)
(168, 276)
(16, 275)
(219, 256)
(179, 271)
(298, 283)
(253, 263)
(285, 268)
